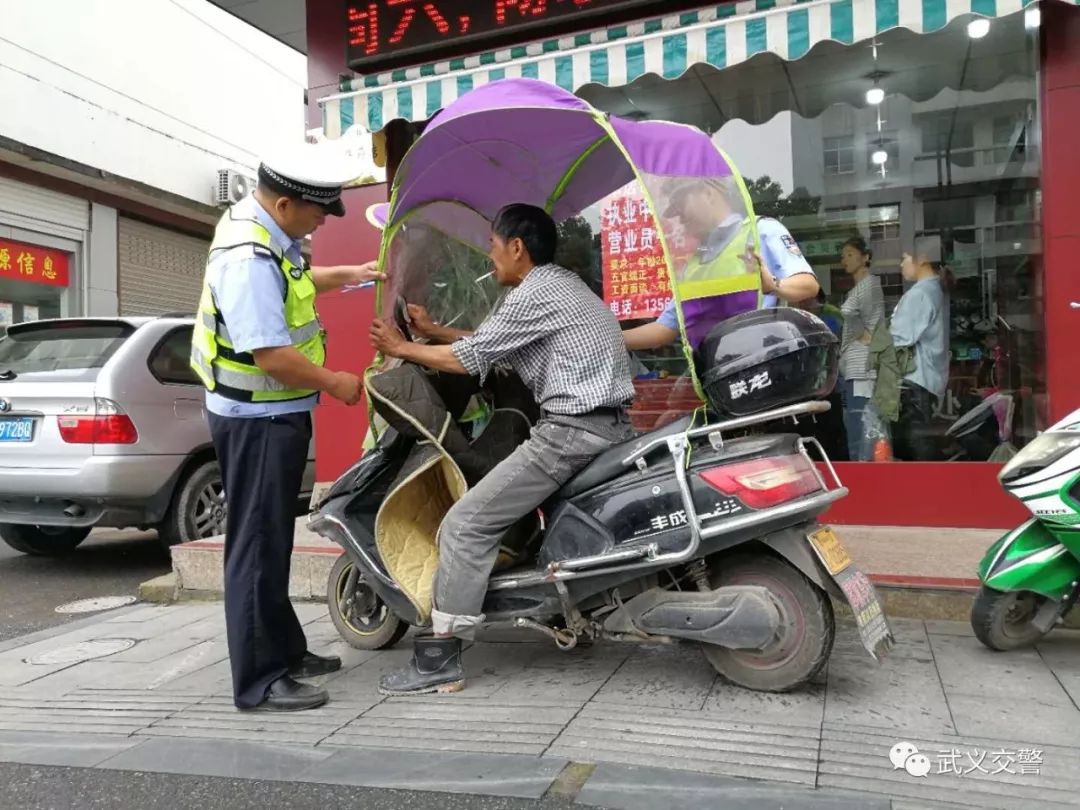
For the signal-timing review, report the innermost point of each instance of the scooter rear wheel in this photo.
(360, 616)
(803, 643)
(1002, 619)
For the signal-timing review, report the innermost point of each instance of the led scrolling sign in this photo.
(385, 34)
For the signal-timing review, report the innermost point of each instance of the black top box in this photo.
(767, 359)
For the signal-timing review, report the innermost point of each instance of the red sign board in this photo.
(395, 33)
(37, 265)
(636, 281)
(635, 277)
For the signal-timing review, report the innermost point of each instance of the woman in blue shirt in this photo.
(921, 322)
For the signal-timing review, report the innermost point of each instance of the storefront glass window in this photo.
(946, 170)
(33, 281)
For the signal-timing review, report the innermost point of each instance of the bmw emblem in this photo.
(5, 405)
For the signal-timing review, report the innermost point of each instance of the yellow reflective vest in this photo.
(233, 374)
(727, 272)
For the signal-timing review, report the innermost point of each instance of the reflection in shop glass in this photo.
(964, 192)
(395, 33)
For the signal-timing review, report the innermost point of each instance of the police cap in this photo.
(308, 172)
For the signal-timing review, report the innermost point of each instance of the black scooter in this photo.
(704, 533)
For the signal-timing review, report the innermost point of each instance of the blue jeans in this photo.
(860, 446)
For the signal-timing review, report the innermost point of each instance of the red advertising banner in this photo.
(635, 277)
(636, 283)
(37, 265)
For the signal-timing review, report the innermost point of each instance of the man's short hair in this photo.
(533, 226)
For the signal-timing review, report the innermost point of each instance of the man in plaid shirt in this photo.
(567, 347)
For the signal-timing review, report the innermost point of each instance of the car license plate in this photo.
(870, 619)
(16, 429)
(832, 554)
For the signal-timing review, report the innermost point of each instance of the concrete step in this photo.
(160, 590)
(199, 565)
(922, 573)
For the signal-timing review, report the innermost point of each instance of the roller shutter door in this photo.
(34, 207)
(160, 270)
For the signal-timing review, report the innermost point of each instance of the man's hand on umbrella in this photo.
(420, 322)
(387, 339)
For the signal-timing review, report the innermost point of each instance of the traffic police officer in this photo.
(260, 350)
(713, 212)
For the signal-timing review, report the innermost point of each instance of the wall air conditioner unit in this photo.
(232, 187)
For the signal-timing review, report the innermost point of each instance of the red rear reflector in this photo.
(765, 482)
(111, 429)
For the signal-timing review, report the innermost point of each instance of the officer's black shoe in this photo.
(312, 666)
(434, 667)
(287, 695)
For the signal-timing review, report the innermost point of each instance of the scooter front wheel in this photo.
(1002, 620)
(360, 616)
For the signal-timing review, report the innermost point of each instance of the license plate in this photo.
(18, 429)
(830, 551)
(870, 620)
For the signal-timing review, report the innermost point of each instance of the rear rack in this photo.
(788, 412)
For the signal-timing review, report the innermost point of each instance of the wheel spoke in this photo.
(209, 511)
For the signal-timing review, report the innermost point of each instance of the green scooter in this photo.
(1031, 576)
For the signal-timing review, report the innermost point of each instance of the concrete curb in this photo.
(900, 602)
(906, 594)
(903, 598)
(161, 590)
(551, 779)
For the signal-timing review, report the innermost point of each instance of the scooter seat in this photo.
(609, 464)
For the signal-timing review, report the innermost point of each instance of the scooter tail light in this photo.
(765, 482)
(109, 425)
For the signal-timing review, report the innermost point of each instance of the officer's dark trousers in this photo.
(262, 462)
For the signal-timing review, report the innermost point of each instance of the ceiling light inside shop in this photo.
(1032, 17)
(875, 95)
(880, 157)
(977, 29)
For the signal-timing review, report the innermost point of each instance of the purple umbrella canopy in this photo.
(522, 140)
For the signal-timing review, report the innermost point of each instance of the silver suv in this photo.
(102, 424)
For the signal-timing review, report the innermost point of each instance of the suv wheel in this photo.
(198, 508)
(43, 541)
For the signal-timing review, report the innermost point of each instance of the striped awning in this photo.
(720, 36)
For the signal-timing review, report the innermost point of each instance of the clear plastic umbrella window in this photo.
(521, 140)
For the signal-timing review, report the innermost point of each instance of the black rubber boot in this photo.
(434, 667)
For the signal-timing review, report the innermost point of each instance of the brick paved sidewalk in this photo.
(157, 699)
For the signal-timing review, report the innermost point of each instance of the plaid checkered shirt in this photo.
(562, 341)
